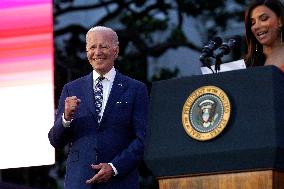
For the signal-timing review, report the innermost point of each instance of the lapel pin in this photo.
(120, 84)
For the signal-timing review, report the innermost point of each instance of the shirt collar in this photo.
(109, 75)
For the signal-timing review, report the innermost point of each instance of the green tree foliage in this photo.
(138, 23)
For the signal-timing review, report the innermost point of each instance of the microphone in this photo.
(207, 50)
(226, 48)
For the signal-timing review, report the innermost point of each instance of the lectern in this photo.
(247, 154)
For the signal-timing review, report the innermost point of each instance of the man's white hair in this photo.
(103, 28)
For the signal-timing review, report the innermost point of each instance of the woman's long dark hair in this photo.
(255, 56)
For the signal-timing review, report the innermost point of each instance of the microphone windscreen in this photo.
(238, 40)
(218, 41)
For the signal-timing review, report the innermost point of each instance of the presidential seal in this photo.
(206, 113)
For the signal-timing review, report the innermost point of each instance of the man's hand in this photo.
(71, 105)
(104, 174)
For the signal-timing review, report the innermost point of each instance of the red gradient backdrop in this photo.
(26, 83)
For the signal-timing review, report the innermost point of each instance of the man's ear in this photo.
(116, 52)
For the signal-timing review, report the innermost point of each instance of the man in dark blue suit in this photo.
(103, 119)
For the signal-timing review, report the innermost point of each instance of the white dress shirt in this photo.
(107, 85)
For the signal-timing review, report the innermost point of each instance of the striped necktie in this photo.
(98, 93)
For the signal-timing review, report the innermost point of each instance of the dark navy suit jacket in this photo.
(118, 139)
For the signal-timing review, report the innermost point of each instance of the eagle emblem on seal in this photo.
(207, 113)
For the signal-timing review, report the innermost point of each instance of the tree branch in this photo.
(83, 7)
(70, 29)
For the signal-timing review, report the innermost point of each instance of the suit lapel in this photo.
(119, 85)
(87, 90)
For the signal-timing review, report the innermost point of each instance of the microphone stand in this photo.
(207, 63)
(218, 62)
